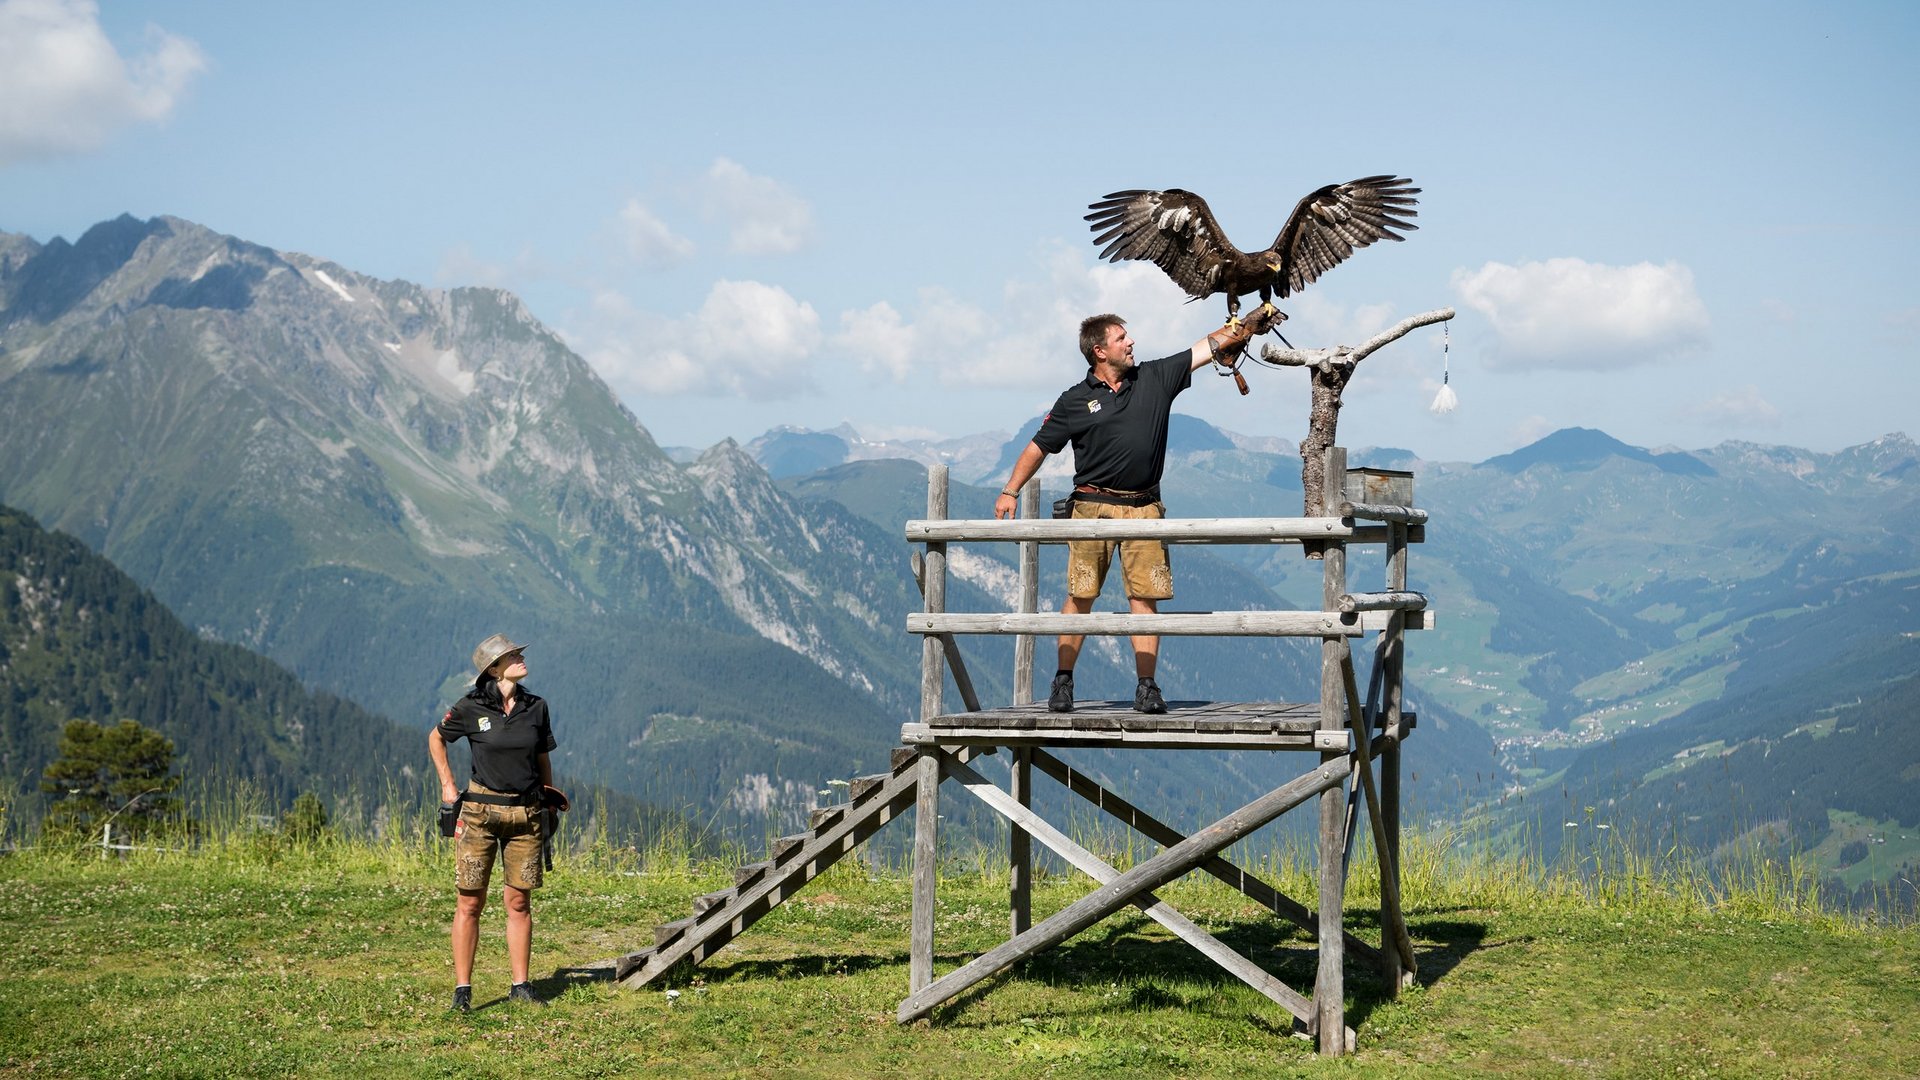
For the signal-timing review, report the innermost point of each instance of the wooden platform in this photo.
(1189, 725)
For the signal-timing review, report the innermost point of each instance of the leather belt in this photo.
(529, 799)
(1116, 495)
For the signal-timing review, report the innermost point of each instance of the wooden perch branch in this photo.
(1349, 355)
(1329, 370)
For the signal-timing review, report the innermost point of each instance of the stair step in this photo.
(826, 816)
(743, 875)
(863, 787)
(666, 932)
(788, 846)
(704, 906)
(630, 963)
(902, 757)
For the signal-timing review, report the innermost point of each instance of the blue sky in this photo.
(1680, 223)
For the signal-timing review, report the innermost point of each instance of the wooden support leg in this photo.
(1020, 853)
(1395, 975)
(926, 834)
(1144, 877)
(1393, 924)
(1329, 984)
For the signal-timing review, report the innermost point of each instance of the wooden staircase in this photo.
(834, 832)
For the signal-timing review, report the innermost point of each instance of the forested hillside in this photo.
(79, 640)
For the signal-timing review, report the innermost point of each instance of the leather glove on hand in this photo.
(1227, 341)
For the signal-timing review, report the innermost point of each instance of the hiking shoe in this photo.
(1147, 699)
(462, 999)
(1060, 698)
(523, 993)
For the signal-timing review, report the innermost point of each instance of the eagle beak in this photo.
(1275, 267)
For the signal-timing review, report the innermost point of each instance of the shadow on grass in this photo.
(1128, 952)
(1131, 954)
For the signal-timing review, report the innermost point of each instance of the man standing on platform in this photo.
(1116, 419)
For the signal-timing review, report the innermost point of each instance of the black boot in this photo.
(1060, 698)
(1147, 699)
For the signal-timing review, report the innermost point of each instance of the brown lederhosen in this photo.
(1144, 567)
(515, 831)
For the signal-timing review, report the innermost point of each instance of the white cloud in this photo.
(1031, 339)
(1531, 430)
(1577, 315)
(1744, 407)
(65, 89)
(648, 239)
(878, 338)
(762, 216)
(747, 339)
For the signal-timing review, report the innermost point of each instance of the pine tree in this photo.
(307, 820)
(122, 773)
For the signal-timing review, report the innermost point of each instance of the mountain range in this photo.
(79, 640)
(359, 478)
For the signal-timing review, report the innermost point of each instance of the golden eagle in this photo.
(1175, 230)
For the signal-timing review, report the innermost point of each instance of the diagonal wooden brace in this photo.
(1156, 909)
(1115, 894)
(1166, 836)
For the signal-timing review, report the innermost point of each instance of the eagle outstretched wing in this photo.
(1173, 229)
(1176, 231)
(1328, 225)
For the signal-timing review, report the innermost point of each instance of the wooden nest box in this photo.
(1379, 487)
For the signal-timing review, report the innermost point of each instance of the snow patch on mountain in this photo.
(332, 284)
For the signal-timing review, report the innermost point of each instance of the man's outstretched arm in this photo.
(1225, 343)
(1023, 469)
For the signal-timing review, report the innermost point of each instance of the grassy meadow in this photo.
(253, 956)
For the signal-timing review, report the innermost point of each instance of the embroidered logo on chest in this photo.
(486, 724)
(1093, 406)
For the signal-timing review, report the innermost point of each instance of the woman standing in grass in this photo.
(506, 726)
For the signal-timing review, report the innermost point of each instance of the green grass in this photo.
(251, 957)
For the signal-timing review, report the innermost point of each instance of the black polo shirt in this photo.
(1119, 438)
(506, 749)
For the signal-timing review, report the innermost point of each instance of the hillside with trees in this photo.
(79, 640)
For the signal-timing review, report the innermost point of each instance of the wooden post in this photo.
(1393, 701)
(926, 863)
(1329, 987)
(926, 814)
(933, 674)
(1020, 842)
(1393, 928)
(1020, 854)
(1023, 645)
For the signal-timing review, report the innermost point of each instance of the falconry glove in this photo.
(1230, 341)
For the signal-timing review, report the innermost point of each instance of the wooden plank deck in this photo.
(1196, 725)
